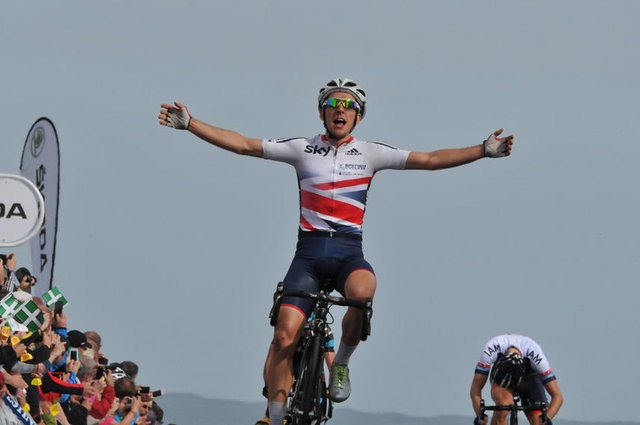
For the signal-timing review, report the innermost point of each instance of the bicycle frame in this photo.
(308, 401)
(516, 407)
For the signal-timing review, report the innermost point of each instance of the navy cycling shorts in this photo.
(322, 259)
(531, 390)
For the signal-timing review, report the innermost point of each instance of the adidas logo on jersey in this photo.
(353, 151)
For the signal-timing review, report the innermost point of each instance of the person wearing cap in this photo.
(25, 280)
(334, 171)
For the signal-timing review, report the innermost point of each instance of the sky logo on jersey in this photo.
(317, 150)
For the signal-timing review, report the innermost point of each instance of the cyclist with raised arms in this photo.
(334, 171)
(515, 364)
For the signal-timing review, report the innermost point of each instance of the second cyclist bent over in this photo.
(515, 364)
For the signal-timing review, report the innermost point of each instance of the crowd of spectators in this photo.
(59, 375)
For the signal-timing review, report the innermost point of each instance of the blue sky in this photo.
(171, 249)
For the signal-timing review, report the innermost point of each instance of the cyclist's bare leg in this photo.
(279, 367)
(361, 284)
(501, 397)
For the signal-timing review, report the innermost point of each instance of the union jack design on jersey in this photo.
(334, 182)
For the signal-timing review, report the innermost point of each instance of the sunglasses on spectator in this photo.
(334, 102)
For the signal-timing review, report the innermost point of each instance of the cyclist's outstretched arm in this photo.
(179, 117)
(479, 380)
(493, 147)
(557, 398)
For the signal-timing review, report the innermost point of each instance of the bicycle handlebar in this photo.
(365, 306)
(512, 407)
(323, 296)
(539, 405)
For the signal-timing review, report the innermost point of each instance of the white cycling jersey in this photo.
(333, 181)
(528, 347)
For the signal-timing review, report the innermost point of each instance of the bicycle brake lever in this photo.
(275, 308)
(366, 323)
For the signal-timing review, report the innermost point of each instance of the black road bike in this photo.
(516, 407)
(308, 402)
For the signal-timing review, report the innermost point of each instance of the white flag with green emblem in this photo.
(29, 315)
(9, 305)
(53, 296)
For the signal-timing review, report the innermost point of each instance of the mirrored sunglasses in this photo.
(334, 102)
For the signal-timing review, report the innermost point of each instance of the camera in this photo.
(103, 361)
(99, 373)
(73, 354)
(147, 395)
(57, 309)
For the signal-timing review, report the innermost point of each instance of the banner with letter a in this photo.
(41, 164)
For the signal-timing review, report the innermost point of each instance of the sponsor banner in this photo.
(12, 413)
(21, 210)
(41, 164)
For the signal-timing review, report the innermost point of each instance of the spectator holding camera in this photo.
(128, 409)
(104, 400)
(61, 376)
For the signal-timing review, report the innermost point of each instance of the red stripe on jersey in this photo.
(304, 223)
(342, 183)
(331, 207)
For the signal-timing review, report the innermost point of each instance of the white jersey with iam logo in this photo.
(334, 182)
(527, 346)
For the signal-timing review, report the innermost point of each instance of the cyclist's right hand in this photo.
(177, 116)
(478, 421)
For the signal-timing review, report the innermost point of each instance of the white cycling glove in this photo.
(494, 147)
(178, 117)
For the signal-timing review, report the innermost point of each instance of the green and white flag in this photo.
(53, 296)
(9, 305)
(29, 315)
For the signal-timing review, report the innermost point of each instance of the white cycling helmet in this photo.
(344, 84)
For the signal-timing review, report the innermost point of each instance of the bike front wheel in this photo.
(307, 395)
